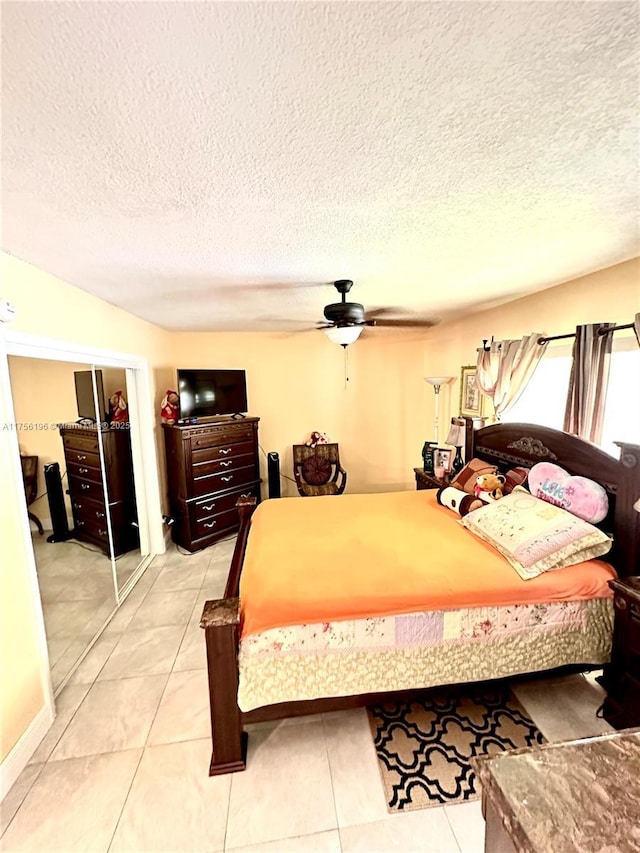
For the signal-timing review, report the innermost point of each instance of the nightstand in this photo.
(621, 677)
(428, 481)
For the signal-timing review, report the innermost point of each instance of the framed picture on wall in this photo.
(471, 399)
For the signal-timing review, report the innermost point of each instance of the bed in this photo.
(278, 646)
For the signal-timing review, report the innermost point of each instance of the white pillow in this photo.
(536, 536)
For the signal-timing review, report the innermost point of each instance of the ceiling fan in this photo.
(346, 320)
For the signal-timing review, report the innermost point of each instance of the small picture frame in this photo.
(471, 398)
(442, 458)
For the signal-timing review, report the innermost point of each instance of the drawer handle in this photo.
(99, 514)
(85, 486)
(210, 524)
(227, 462)
(227, 479)
(101, 532)
(620, 603)
(76, 505)
(225, 450)
(84, 470)
(210, 507)
(245, 495)
(81, 457)
(81, 524)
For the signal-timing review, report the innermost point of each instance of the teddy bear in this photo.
(316, 438)
(119, 410)
(169, 410)
(489, 486)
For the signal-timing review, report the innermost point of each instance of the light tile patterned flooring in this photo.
(124, 766)
(78, 596)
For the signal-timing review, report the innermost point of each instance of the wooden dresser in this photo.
(210, 466)
(621, 677)
(88, 501)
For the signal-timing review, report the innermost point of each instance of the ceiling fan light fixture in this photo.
(343, 335)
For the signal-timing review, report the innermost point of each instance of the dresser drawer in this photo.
(84, 509)
(214, 504)
(221, 466)
(84, 472)
(225, 436)
(97, 528)
(221, 482)
(81, 442)
(222, 452)
(217, 523)
(85, 488)
(82, 457)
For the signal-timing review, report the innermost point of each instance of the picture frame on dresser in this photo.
(443, 458)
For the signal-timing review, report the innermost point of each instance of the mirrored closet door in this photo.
(80, 494)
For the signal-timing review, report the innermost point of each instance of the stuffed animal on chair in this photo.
(316, 438)
(488, 487)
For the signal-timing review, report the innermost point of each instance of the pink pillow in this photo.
(578, 495)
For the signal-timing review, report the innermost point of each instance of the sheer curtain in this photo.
(504, 369)
(584, 414)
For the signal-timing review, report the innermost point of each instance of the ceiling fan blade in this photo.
(399, 323)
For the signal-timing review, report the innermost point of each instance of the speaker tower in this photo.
(273, 470)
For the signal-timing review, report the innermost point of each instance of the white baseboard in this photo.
(18, 758)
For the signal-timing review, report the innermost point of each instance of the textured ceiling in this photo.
(199, 163)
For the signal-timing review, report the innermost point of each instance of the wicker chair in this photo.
(317, 470)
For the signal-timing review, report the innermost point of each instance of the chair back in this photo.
(316, 469)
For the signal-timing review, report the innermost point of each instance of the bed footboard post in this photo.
(220, 620)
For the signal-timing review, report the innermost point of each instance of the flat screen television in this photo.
(205, 393)
(84, 395)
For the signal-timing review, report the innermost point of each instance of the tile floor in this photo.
(77, 593)
(124, 767)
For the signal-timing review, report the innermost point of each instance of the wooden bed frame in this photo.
(506, 445)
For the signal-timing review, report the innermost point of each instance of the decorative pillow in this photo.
(316, 470)
(465, 479)
(457, 500)
(536, 536)
(578, 495)
(514, 477)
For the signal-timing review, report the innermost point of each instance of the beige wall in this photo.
(49, 308)
(296, 383)
(612, 295)
(43, 396)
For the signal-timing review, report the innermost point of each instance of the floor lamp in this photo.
(437, 382)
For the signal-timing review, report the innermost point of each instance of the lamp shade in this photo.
(437, 381)
(343, 335)
(456, 436)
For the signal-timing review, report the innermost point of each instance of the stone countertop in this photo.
(581, 796)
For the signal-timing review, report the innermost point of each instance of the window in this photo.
(544, 399)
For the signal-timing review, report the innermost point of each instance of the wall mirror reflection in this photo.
(78, 479)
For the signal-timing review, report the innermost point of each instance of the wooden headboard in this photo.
(508, 445)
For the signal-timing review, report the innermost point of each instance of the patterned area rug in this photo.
(424, 746)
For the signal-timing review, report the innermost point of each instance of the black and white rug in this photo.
(424, 747)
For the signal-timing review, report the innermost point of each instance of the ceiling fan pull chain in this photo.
(346, 366)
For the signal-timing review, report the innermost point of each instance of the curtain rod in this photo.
(573, 334)
(563, 337)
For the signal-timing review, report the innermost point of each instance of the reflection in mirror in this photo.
(119, 489)
(63, 478)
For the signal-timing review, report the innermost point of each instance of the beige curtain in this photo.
(584, 414)
(505, 368)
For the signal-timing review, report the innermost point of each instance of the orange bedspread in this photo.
(354, 556)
